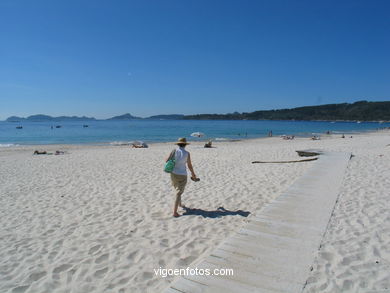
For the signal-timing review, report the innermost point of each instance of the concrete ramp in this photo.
(274, 252)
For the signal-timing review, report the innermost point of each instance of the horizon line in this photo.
(145, 117)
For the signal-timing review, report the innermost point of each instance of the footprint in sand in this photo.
(157, 215)
(164, 242)
(71, 229)
(102, 258)
(20, 289)
(100, 273)
(49, 232)
(61, 268)
(179, 244)
(147, 275)
(347, 260)
(36, 276)
(147, 233)
(138, 221)
(59, 242)
(70, 274)
(135, 256)
(124, 281)
(94, 249)
(53, 254)
(185, 261)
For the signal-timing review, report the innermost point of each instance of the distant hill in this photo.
(167, 117)
(124, 117)
(362, 111)
(74, 118)
(40, 117)
(43, 118)
(15, 119)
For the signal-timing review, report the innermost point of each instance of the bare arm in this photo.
(189, 164)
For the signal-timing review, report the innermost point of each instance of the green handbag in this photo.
(170, 164)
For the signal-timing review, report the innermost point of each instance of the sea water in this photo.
(102, 131)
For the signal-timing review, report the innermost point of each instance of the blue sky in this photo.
(105, 58)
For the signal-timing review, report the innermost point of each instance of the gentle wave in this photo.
(220, 138)
(119, 143)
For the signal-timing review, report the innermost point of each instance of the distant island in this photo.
(167, 117)
(155, 117)
(44, 118)
(124, 117)
(358, 111)
(127, 116)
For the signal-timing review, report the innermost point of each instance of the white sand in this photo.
(355, 253)
(98, 219)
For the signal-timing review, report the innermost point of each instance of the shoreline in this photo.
(148, 119)
(10, 146)
(97, 135)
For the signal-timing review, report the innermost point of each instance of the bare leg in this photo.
(177, 203)
(175, 213)
(180, 204)
(179, 183)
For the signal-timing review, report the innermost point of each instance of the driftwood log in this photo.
(274, 162)
(308, 153)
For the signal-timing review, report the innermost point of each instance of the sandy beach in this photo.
(99, 218)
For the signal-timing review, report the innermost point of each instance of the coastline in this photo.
(201, 141)
(99, 217)
(105, 133)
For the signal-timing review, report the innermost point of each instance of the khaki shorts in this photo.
(179, 183)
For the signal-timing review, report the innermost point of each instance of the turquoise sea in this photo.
(102, 132)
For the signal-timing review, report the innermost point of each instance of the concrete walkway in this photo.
(274, 252)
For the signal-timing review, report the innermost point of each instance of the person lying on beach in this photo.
(40, 152)
(141, 145)
(36, 152)
(208, 144)
(179, 172)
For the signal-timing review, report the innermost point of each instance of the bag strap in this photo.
(172, 155)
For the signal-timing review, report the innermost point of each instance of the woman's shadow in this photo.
(220, 212)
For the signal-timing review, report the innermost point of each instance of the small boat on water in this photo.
(19, 127)
(85, 125)
(58, 126)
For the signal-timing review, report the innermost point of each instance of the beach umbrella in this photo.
(197, 134)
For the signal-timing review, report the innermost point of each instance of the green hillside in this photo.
(362, 111)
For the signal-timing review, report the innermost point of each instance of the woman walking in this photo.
(179, 172)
